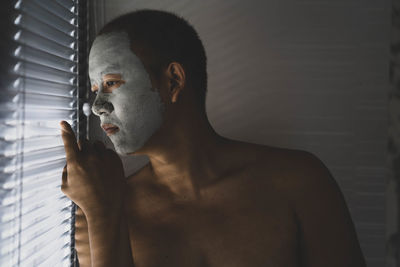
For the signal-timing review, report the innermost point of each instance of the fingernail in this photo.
(63, 126)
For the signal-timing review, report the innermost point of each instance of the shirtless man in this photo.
(203, 199)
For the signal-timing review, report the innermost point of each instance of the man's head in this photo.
(133, 63)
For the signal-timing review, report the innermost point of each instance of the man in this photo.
(203, 199)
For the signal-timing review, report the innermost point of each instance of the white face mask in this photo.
(134, 106)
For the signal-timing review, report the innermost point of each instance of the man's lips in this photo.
(109, 128)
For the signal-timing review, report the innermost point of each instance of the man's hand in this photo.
(93, 177)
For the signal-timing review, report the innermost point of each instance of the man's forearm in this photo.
(109, 240)
(82, 238)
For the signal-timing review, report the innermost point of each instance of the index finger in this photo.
(69, 139)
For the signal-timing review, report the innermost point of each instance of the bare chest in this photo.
(234, 235)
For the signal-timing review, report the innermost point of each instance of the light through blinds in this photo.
(38, 90)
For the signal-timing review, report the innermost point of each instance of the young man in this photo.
(203, 199)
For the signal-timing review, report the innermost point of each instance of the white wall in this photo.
(306, 74)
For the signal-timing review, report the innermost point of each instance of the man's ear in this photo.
(176, 80)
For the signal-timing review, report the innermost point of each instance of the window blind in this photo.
(39, 81)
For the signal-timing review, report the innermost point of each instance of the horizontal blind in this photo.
(38, 90)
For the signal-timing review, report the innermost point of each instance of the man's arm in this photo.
(82, 243)
(109, 240)
(82, 238)
(327, 233)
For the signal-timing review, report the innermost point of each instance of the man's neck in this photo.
(185, 157)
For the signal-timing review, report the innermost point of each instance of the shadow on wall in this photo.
(393, 242)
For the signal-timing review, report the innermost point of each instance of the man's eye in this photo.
(111, 83)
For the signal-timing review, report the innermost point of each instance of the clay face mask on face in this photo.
(132, 104)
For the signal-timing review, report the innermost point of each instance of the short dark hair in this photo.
(166, 37)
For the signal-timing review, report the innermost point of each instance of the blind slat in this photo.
(44, 170)
(13, 195)
(9, 133)
(67, 4)
(8, 245)
(37, 144)
(47, 31)
(7, 164)
(56, 9)
(31, 208)
(49, 115)
(45, 181)
(33, 85)
(38, 71)
(52, 259)
(36, 260)
(42, 241)
(44, 15)
(40, 101)
(9, 183)
(37, 56)
(44, 156)
(36, 224)
(49, 88)
(26, 37)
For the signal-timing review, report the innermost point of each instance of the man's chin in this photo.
(124, 149)
(126, 146)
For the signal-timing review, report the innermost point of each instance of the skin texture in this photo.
(206, 200)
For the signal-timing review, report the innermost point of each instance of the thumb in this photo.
(69, 140)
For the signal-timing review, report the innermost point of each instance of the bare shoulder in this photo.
(292, 173)
(265, 152)
(299, 173)
(271, 169)
(287, 166)
(294, 164)
(326, 228)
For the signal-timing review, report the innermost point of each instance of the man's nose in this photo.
(101, 106)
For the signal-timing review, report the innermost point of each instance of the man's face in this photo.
(130, 109)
